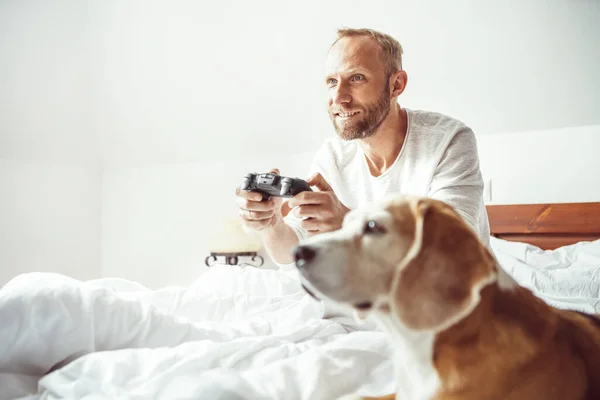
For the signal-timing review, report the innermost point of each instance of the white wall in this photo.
(173, 75)
(551, 166)
(46, 97)
(49, 219)
(49, 161)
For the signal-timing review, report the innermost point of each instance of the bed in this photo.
(250, 333)
(552, 249)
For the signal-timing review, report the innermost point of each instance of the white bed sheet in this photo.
(236, 333)
(568, 277)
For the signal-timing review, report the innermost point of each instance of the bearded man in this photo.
(380, 149)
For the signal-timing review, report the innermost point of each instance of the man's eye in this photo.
(372, 227)
(330, 81)
(358, 78)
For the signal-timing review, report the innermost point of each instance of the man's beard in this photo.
(366, 126)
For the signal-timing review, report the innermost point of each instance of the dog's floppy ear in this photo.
(447, 265)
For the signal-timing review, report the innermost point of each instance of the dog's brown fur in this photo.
(512, 346)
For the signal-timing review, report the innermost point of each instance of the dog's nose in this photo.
(303, 255)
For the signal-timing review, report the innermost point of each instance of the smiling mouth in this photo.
(347, 114)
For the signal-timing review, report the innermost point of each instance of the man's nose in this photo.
(304, 254)
(341, 95)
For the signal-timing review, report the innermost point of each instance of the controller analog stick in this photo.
(286, 184)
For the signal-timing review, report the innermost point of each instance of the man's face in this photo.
(358, 87)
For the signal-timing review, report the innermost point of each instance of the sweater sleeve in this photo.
(457, 179)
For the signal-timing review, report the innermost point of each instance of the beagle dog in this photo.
(459, 326)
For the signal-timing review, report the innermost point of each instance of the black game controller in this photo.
(274, 185)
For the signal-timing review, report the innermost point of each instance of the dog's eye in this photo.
(372, 227)
(364, 306)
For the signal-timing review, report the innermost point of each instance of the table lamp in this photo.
(232, 243)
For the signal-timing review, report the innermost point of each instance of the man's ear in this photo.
(398, 82)
(440, 284)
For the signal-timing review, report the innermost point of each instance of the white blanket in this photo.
(236, 333)
(568, 277)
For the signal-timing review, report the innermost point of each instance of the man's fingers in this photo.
(250, 215)
(319, 182)
(304, 198)
(246, 204)
(255, 196)
(274, 171)
(313, 211)
(285, 208)
(313, 225)
(307, 211)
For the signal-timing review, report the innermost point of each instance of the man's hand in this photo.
(259, 215)
(323, 209)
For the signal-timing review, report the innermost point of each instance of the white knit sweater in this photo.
(439, 159)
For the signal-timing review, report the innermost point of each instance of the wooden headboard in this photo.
(547, 226)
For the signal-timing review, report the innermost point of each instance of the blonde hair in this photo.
(391, 50)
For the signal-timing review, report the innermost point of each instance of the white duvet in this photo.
(568, 277)
(236, 333)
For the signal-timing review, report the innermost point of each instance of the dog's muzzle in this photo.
(303, 256)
